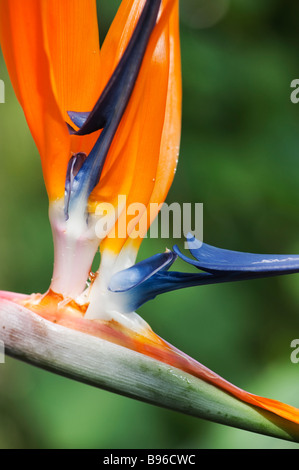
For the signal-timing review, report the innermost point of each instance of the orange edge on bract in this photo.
(54, 308)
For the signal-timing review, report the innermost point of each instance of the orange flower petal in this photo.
(118, 36)
(71, 40)
(21, 38)
(145, 148)
(53, 62)
(170, 140)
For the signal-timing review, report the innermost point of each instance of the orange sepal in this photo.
(54, 65)
(71, 40)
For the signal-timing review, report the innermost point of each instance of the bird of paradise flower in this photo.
(107, 122)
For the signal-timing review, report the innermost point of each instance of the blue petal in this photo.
(78, 118)
(149, 278)
(132, 277)
(168, 281)
(90, 172)
(74, 165)
(212, 259)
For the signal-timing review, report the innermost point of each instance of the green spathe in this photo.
(97, 362)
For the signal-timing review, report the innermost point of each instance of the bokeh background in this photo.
(240, 158)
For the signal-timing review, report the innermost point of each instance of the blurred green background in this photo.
(240, 157)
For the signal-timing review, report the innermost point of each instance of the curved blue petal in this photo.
(211, 259)
(159, 283)
(77, 118)
(132, 277)
(162, 282)
(74, 165)
(149, 278)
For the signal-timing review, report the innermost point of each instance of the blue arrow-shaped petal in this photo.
(211, 259)
(132, 277)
